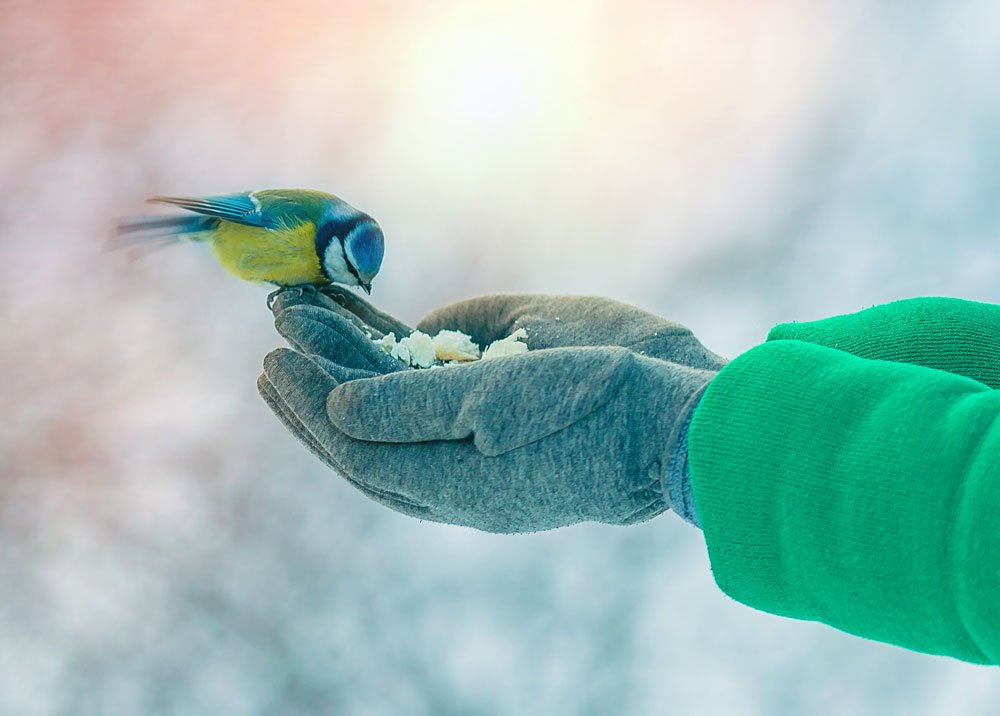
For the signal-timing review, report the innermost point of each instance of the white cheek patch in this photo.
(336, 267)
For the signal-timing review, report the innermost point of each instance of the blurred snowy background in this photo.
(166, 548)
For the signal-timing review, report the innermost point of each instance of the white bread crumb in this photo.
(420, 347)
(455, 346)
(509, 346)
(448, 347)
(387, 343)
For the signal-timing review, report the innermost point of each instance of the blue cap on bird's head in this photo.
(354, 258)
(364, 247)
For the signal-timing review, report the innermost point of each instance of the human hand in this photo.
(559, 435)
(302, 316)
(563, 321)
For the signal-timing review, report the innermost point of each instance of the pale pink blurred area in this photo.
(167, 548)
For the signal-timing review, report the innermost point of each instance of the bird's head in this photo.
(355, 257)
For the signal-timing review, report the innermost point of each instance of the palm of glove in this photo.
(560, 321)
(550, 322)
(583, 431)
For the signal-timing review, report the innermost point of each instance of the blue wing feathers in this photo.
(136, 231)
(142, 235)
(239, 208)
(165, 225)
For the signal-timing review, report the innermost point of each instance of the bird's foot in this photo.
(292, 292)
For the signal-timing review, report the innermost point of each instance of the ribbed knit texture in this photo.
(962, 337)
(678, 482)
(582, 427)
(861, 493)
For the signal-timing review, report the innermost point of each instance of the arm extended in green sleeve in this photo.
(952, 334)
(860, 493)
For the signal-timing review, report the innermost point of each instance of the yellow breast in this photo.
(283, 256)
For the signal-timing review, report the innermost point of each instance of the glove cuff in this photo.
(677, 481)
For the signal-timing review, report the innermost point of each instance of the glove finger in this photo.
(502, 404)
(296, 388)
(393, 475)
(288, 296)
(352, 302)
(485, 318)
(679, 347)
(310, 329)
(564, 321)
(340, 300)
(341, 373)
(390, 499)
(550, 321)
(284, 413)
(291, 422)
(466, 495)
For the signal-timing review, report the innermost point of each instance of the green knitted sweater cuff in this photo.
(860, 493)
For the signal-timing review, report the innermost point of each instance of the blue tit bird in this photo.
(286, 237)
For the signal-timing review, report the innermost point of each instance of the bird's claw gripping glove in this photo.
(583, 427)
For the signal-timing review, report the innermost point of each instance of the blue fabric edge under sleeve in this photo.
(679, 474)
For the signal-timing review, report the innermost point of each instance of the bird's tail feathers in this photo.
(142, 235)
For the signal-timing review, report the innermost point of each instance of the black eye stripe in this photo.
(324, 236)
(332, 230)
(347, 262)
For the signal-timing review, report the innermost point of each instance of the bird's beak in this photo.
(367, 288)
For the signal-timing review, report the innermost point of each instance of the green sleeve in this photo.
(961, 337)
(861, 493)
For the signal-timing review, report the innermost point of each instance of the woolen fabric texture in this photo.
(862, 492)
(583, 427)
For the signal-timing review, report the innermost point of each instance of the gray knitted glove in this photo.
(315, 320)
(580, 428)
(561, 321)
